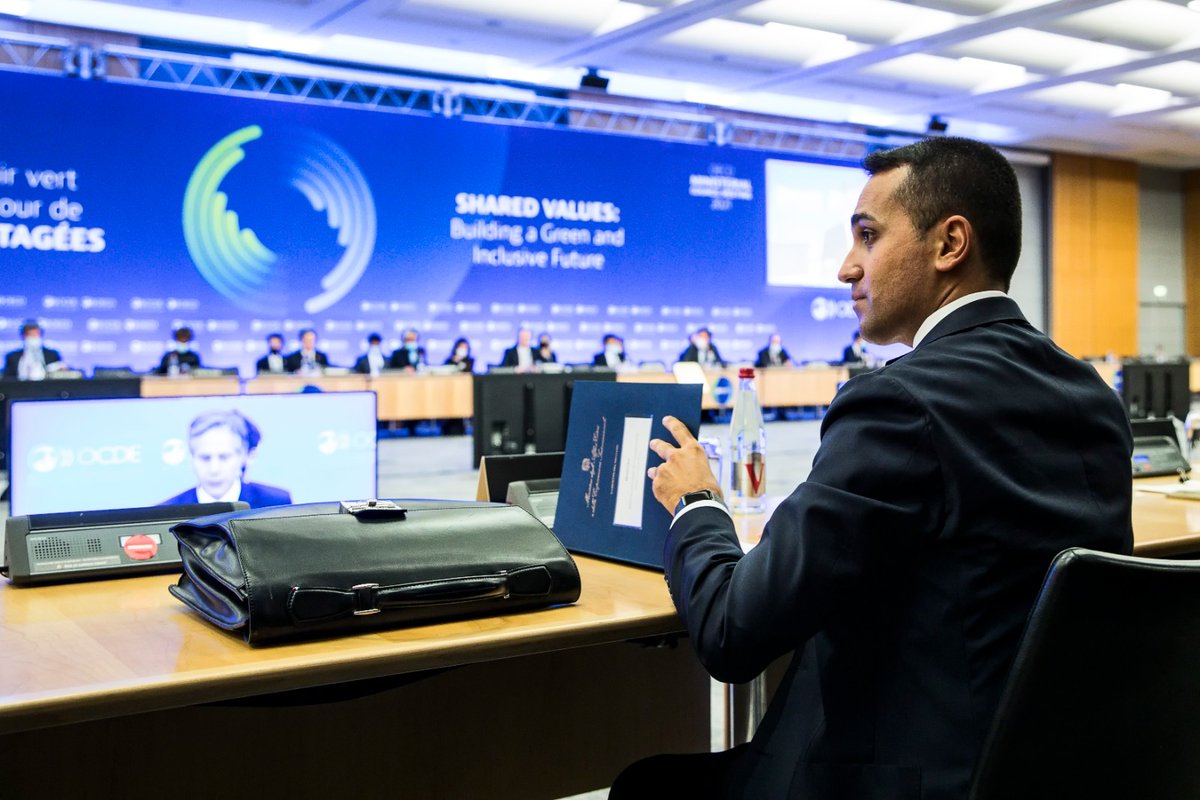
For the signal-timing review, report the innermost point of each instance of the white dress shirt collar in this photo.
(937, 316)
(230, 496)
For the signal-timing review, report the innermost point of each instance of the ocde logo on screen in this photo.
(47, 458)
(826, 308)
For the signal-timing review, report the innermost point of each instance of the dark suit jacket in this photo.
(263, 365)
(902, 570)
(510, 357)
(12, 360)
(258, 495)
(764, 358)
(401, 359)
(849, 356)
(293, 361)
(362, 364)
(188, 360)
(599, 359)
(692, 353)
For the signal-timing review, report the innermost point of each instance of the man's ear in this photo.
(955, 240)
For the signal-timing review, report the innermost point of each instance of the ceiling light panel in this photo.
(1143, 24)
(1180, 77)
(875, 21)
(1188, 118)
(576, 16)
(787, 45)
(1080, 96)
(934, 71)
(1039, 51)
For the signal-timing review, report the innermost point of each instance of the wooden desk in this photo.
(777, 387)
(109, 688)
(428, 396)
(290, 384)
(186, 386)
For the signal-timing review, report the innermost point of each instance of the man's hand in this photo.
(684, 469)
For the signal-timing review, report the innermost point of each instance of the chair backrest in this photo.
(1103, 700)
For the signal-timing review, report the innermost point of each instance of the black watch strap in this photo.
(696, 497)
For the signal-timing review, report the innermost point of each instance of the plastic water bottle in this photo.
(748, 448)
(173, 365)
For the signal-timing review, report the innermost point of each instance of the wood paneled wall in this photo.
(1191, 259)
(1094, 255)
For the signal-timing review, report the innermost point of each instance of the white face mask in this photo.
(374, 348)
(775, 349)
(181, 347)
(33, 342)
(461, 352)
(702, 344)
(613, 349)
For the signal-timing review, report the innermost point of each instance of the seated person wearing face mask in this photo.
(460, 356)
(373, 361)
(409, 356)
(274, 361)
(180, 359)
(773, 355)
(613, 354)
(702, 350)
(33, 360)
(545, 353)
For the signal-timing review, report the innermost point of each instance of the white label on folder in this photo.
(631, 471)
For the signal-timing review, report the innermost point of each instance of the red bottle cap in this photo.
(746, 372)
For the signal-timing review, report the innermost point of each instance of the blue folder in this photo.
(606, 506)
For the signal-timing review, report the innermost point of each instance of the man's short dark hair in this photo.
(950, 175)
(271, 336)
(29, 325)
(183, 334)
(306, 330)
(374, 338)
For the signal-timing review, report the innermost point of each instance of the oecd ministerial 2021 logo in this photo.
(231, 251)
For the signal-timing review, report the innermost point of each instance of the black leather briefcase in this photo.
(322, 569)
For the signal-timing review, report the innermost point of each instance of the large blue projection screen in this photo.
(128, 210)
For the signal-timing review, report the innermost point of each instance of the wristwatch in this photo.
(696, 497)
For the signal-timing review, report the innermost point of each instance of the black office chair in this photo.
(1104, 697)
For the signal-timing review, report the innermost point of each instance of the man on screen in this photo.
(223, 444)
(32, 361)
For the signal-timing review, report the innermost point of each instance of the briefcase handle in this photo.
(373, 509)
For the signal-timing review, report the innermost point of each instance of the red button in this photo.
(141, 547)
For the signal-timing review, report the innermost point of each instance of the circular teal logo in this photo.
(234, 259)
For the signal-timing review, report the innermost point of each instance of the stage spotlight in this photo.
(593, 80)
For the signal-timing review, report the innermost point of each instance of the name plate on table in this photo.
(606, 505)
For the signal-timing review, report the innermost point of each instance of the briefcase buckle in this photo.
(364, 599)
(373, 509)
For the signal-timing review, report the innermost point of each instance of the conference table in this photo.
(113, 689)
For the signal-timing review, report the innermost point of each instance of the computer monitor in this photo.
(1155, 389)
(81, 455)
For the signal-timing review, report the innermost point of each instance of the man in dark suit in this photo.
(701, 350)
(902, 570)
(854, 353)
(613, 354)
(409, 355)
(181, 358)
(774, 354)
(222, 444)
(308, 358)
(522, 355)
(274, 360)
(33, 360)
(373, 361)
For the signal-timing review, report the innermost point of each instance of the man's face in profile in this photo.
(218, 458)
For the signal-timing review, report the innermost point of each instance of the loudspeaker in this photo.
(51, 548)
